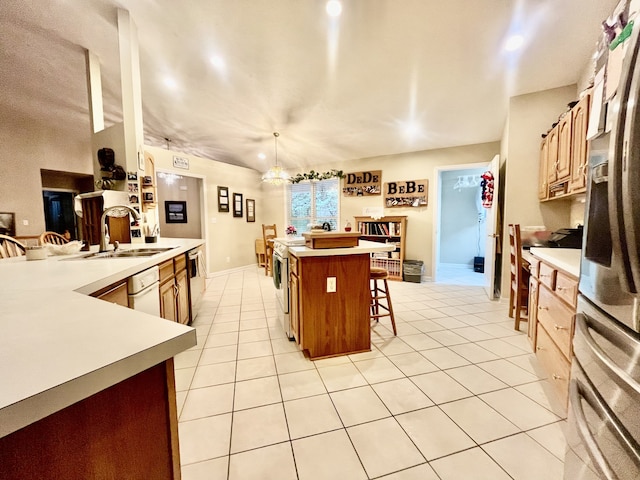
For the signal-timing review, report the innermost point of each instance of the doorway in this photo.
(59, 214)
(460, 226)
(187, 192)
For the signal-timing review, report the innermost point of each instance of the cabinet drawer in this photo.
(180, 263)
(567, 288)
(547, 276)
(293, 264)
(534, 267)
(557, 319)
(166, 270)
(554, 364)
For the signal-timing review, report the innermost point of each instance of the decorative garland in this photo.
(313, 175)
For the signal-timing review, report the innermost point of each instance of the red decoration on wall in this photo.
(487, 189)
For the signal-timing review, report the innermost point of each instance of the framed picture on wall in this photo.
(8, 223)
(237, 205)
(251, 210)
(175, 211)
(223, 199)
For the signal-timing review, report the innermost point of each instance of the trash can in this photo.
(412, 271)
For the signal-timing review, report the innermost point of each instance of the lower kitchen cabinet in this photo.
(116, 293)
(175, 298)
(552, 302)
(294, 302)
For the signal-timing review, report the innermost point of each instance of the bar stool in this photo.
(378, 293)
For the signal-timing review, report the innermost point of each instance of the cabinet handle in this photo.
(555, 376)
(559, 327)
(543, 308)
(561, 288)
(545, 275)
(538, 348)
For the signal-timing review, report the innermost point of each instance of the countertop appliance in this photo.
(561, 238)
(603, 434)
(144, 291)
(281, 280)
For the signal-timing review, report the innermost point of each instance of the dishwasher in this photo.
(144, 291)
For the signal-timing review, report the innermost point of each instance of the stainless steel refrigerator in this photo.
(603, 432)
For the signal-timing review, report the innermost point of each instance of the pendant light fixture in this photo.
(276, 175)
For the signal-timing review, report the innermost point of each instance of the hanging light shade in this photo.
(276, 175)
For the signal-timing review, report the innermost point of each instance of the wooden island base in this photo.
(129, 430)
(331, 323)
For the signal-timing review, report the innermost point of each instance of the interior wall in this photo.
(180, 189)
(410, 166)
(26, 147)
(462, 224)
(230, 241)
(530, 116)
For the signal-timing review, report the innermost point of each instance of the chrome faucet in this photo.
(114, 211)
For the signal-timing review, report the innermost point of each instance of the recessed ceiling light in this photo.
(411, 129)
(170, 82)
(262, 156)
(513, 43)
(217, 61)
(334, 8)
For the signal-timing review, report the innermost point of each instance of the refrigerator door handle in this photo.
(630, 167)
(614, 335)
(620, 220)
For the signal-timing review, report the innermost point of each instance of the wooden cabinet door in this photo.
(552, 155)
(579, 146)
(563, 170)
(533, 310)
(294, 311)
(543, 181)
(182, 297)
(168, 300)
(117, 294)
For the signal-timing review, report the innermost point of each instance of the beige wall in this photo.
(25, 148)
(530, 116)
(411, 166)
(230, 241)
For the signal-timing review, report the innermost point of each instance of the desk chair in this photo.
(268, 234)
(10, 247)
(52, 237)
(519, 289)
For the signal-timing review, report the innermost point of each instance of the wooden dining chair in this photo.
(269, 232)
(519, 290)
(52, 237)
(10, 247)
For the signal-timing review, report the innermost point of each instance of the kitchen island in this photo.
(87, 386)
(330, 297)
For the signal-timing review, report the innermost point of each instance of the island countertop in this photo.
(364, 246)
(567, 259)
(59, 345)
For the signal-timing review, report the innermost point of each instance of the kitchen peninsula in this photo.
(330, 297)
(87, 386)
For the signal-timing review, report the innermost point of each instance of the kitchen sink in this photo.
(125, 253)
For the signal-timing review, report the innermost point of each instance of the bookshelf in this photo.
(392, 229)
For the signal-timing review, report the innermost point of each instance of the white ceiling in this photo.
(335, 89)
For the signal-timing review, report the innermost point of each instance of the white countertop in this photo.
(59, 346)
(364, 246)
(567, 259)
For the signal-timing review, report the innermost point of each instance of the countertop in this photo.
(567, 259)
(364, 246)
(59, 345)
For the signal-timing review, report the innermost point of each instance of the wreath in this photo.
(313, 175)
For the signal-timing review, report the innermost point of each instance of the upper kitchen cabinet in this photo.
(564, 153)
(580, 146)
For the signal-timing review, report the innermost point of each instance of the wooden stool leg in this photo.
(393, 320)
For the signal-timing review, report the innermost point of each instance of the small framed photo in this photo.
(148, 197)
(237, 205)
(8, 223)
(175, 211)
(135, 233)
(251, 210)
(133, 199)
(133, 176)
(132, 187)
(147, 181)
(223, 199)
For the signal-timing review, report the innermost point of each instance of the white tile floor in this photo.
(456, 395)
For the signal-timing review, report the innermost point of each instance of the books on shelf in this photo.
(386, 229)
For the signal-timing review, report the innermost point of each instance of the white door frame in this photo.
(437, 208)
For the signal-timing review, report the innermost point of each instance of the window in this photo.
(313, 202)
